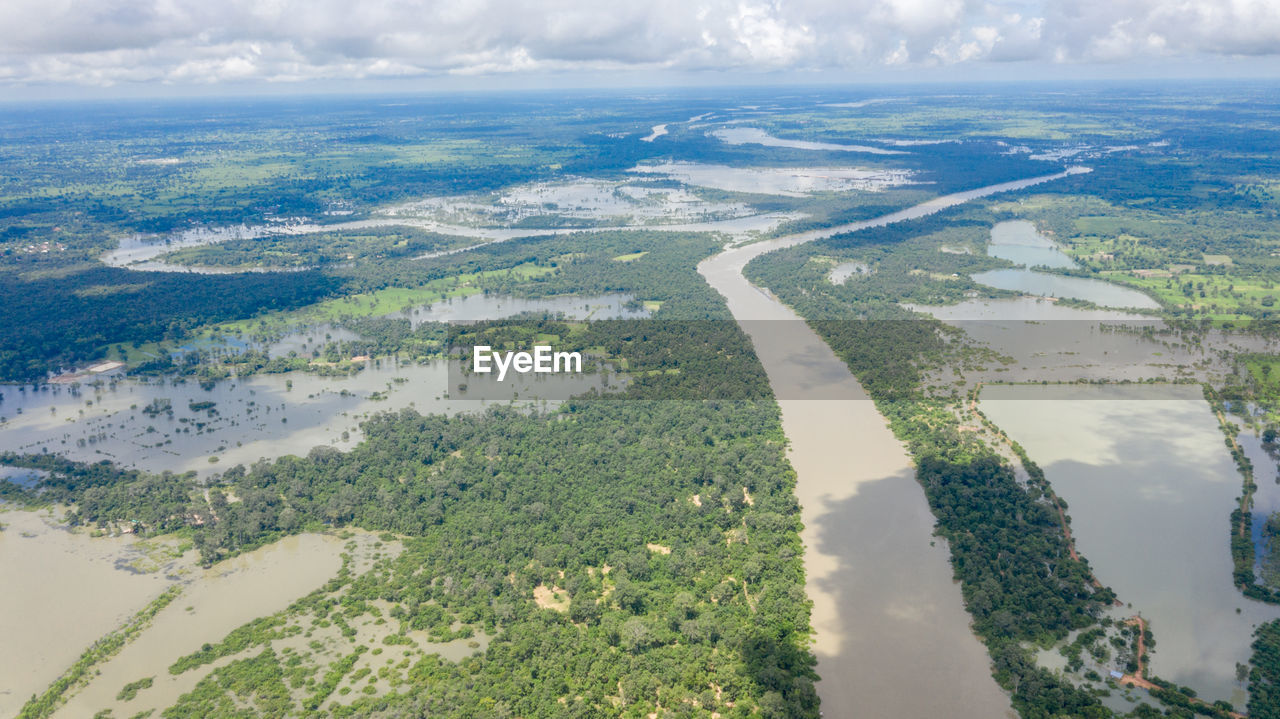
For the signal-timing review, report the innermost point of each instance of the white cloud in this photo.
(100, 42)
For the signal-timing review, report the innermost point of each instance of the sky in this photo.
(95, 48)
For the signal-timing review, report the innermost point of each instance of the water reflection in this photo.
(1020, 243)
(1043, 284)
(1150, 487)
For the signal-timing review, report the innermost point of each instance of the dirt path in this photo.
(1138, 678)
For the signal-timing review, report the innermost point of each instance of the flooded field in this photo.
(546, 208)
(265, 416)
(166, 424)
(1046, 341)
(1041, 284)
(887, 615)
(785, 181)
(844, 271)
(756, 136)
(22, 476)
(1266, 498)
(1150, 487)
(596, 202)
(611, 306)
(89, 586)
(62, 591)
(213, 602)
(1019, 242)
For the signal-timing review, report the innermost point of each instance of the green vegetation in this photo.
(533, 530)
(319, 249)
(49, 325)
(243, 689)
(1264, 677)
(1007, 544)
(130, 690)
(106, 647)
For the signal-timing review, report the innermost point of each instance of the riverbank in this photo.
(887, 613)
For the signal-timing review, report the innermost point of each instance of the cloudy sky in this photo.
(85, 45)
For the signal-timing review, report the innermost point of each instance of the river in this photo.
(892, 636)
(145, 253)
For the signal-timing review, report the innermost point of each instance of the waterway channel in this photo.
(892, 637)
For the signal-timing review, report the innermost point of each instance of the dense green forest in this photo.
(64, 316)
(503, 503)
(1264, 678)
(627, 556)
(680, 592)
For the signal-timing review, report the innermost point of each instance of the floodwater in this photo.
(1020, 243)
(587, 205)
(614, 305)
(264, 416)
(212, 603)
(845, 270)
(1041, 284)
(1266, 498)
(756, 136)
(1150, 486)
(269, 415)
(1020, 309)
(592, 202)
(61, 592)
(655, 133)
(21, 476)
(891, 634)
(785, 181)
(1047, 341)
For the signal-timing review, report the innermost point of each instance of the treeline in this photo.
(1008, 549)
(1243, 553)
(67, 317)
(102, 493)
(496, 505)
(662, 359)
(584, 263)
(1264, 677)
(319, 249)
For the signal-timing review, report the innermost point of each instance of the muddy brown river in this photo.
(892, 636)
